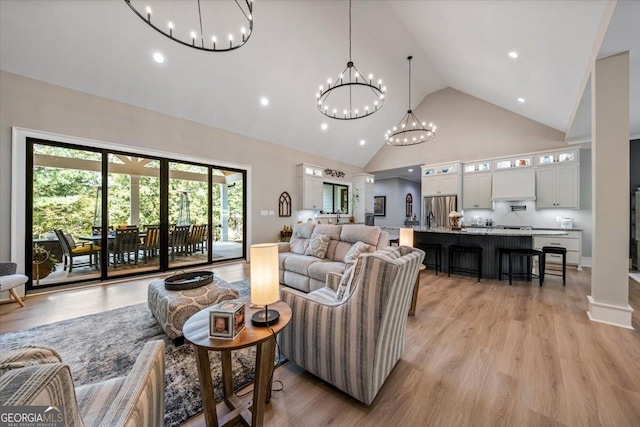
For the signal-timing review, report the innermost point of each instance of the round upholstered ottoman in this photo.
(172, 308)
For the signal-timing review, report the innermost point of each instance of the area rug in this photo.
(106, 345)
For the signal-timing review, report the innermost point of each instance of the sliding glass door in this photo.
(95, 214)
(133, 227)
(188, 214)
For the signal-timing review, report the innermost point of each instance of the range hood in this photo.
(514, 185)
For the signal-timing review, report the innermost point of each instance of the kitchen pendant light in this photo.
(188, 36)
(410, 130)
(352, 95)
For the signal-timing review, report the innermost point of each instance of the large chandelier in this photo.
(353, 96)
(410, 130)
(198, 40)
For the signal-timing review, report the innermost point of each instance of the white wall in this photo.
(396, 189)
(35, 105)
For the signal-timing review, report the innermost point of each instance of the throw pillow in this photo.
(356, 250)
(318, 245)
(345, 281)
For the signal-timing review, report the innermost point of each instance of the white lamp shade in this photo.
(265, 287)
(406, 237)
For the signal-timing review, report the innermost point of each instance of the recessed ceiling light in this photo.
(324, 126)
(264, 101)
(513, 54)
(158, 57)
(410, 170)
(521, 100)
(362, 142)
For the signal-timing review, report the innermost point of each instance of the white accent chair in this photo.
(9, 280)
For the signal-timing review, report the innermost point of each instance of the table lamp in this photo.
(406, 237)
(265, 285)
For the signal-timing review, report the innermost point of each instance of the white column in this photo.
(224, 212)
(134, 209)
(609, 299)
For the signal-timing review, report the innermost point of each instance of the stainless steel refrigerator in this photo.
(435, 210)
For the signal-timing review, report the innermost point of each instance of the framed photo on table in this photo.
(380, 205)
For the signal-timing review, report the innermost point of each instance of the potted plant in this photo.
(44, 262)
(355, 198)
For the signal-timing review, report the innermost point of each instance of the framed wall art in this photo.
(380, 205)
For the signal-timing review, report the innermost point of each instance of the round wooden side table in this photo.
(196, 331)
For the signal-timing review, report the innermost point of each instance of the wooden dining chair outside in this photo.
(151, 243)
(71, 250)
(125, 243)
(197, 238)
(180, 240)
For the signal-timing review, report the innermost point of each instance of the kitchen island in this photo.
(489, 239)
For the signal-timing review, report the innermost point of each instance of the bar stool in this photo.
(437, 253)
(454, 256)
(555, 250)
(527, 254)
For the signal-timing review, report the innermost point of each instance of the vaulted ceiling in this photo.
(102, 48)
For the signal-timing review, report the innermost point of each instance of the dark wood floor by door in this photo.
(476, 354)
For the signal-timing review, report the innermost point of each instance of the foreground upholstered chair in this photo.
(9, 280)
(36, 376)
(355, 342)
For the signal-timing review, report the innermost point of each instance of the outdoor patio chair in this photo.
(125, 243)
(180, 240)
(151, 243)
(197, 238)
(71, 250)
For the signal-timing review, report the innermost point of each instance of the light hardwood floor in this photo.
(476, 354)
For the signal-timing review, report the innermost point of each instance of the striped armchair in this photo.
(35, 375)
(354, 343)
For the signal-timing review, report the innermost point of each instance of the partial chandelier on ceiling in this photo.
(337, 99)
(189, 37)
(410, 130)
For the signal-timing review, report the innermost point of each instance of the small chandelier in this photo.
(410, 130)
(197, 41)
(342, 89)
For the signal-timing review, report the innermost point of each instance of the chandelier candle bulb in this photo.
(148, 13)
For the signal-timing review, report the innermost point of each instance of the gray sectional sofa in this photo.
(307, 272)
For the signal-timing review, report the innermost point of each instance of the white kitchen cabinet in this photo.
(558, 186)
(572, 242)
(310, 182)
(441, 180)
(517, 183)
(440, 185)
(364, 185)
(476, 191)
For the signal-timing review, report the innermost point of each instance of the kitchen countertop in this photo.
(486, 231)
